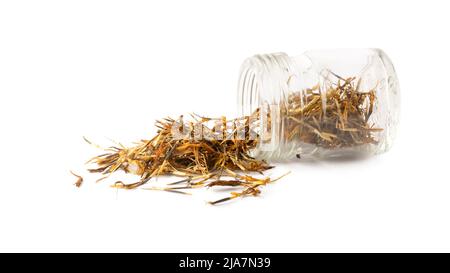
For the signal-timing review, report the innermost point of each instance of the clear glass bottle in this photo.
(323, 103)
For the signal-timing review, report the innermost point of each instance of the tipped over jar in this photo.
(321, 104)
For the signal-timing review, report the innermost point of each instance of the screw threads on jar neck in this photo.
(263, 85)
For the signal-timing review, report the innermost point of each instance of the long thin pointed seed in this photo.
(222, 200)
(167, 190)
(187, 180)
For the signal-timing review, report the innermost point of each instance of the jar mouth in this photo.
(263, 86)
(248, 87)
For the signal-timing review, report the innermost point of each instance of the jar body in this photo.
(324, 103)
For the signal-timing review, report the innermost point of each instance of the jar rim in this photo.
(262, 82)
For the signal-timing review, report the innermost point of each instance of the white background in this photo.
(108, 69)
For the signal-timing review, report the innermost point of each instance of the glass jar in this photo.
(324, 103)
